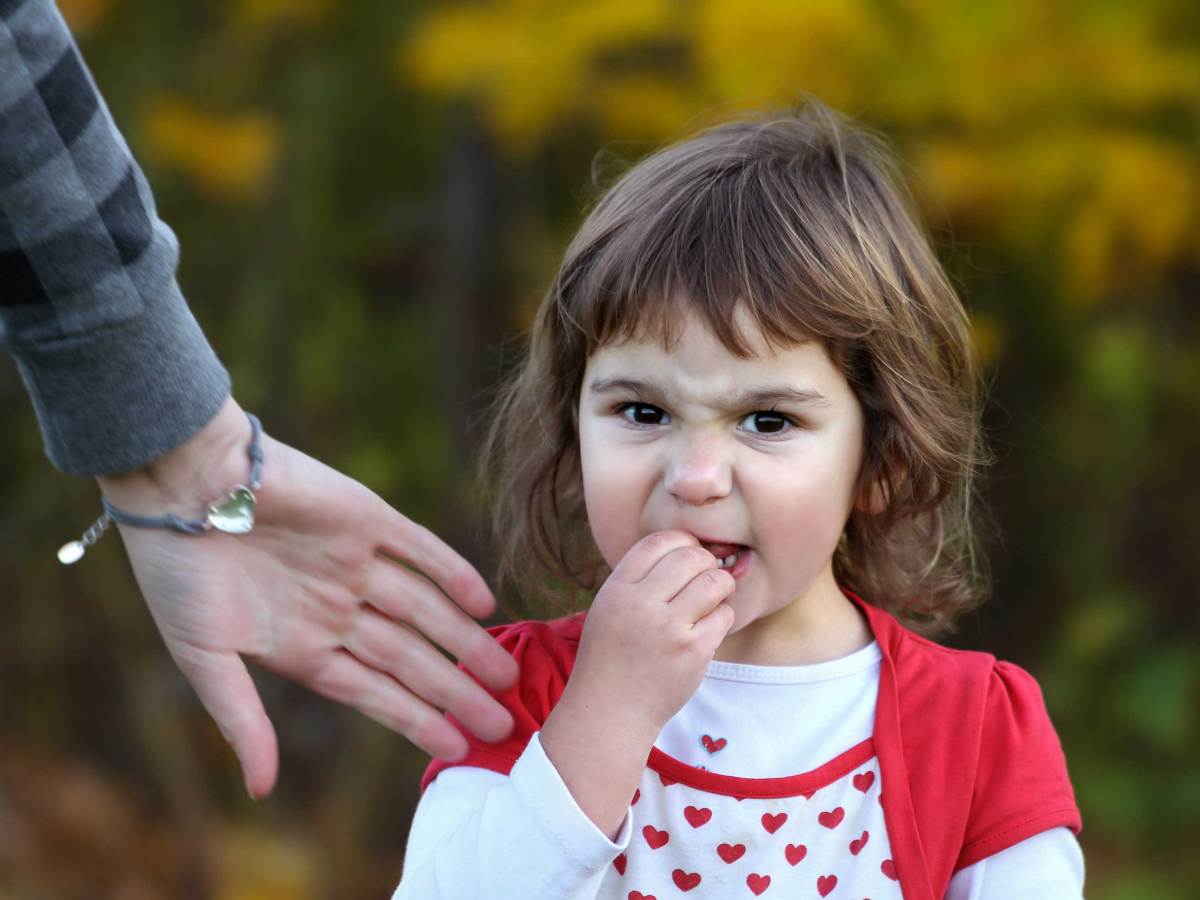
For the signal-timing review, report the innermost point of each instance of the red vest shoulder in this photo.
(545, 653)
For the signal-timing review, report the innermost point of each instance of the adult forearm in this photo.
(117, 368)
(599, 753)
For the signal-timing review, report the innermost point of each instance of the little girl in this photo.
(748, 424)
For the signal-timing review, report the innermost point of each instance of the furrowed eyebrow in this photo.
(763, 395)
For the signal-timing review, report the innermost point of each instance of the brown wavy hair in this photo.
(803, 217)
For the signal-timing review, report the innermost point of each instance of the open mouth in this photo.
(727, 555)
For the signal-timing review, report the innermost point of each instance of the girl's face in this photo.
(679, 441)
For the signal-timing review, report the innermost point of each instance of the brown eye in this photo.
(773, 422)
(643, 413)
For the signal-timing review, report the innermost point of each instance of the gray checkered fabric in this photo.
(118, 370)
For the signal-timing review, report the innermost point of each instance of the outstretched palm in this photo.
(315, 593)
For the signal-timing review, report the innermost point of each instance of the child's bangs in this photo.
(739, 236)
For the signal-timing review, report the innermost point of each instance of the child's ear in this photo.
(873, 499)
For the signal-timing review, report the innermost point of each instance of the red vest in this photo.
(969, 760)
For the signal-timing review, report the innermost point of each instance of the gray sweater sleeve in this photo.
(116, 365)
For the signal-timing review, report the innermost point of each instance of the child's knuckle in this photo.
(657, 541)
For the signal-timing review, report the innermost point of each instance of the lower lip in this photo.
(742, 565)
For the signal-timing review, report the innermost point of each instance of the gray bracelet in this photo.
(233, 514)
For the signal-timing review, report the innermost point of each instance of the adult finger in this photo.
(227, 691)
(408, 596)
(646, 553)
(345, 679)
(402, 653)
(416, 545)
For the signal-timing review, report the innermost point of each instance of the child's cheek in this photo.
(607, 534)
(612, 522)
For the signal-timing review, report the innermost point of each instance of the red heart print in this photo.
(864, 781)
(638, 895)
(758, 883)
(712, 746)
(833, 818)
(825, 884)
(637, 795)
(888, 868)
(857, 845)
(666, 782)
(685, 881)
(880, 798)
(773, 822)
(654, 837)
(731, 852)
(619, 864)
(795, 853)
(697, 817)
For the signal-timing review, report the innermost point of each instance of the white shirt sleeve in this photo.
(1046, 865)
(521, 835)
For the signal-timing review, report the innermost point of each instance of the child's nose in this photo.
(698, 472)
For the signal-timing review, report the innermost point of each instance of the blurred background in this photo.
(371, 197)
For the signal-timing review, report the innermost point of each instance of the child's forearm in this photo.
(600, 754)
(477, 833)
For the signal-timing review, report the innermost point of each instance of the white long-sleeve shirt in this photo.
(477, 833)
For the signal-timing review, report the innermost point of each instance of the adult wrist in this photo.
(186, 479)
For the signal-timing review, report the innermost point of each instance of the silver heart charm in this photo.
(234, 514)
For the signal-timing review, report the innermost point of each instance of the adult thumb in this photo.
(225, 687)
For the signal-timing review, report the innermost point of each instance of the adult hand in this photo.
(314, 593)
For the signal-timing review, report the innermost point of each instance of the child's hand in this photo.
(652, 630)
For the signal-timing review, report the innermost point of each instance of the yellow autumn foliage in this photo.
(85, 16)
(256, 14)
(987, 336)
(264, 864)
(230, 157)
(1000, 67)
(766, 54)
(1131, 201)
(642, 107)
(1142, 207)
(1024, 121)
(528, 61)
